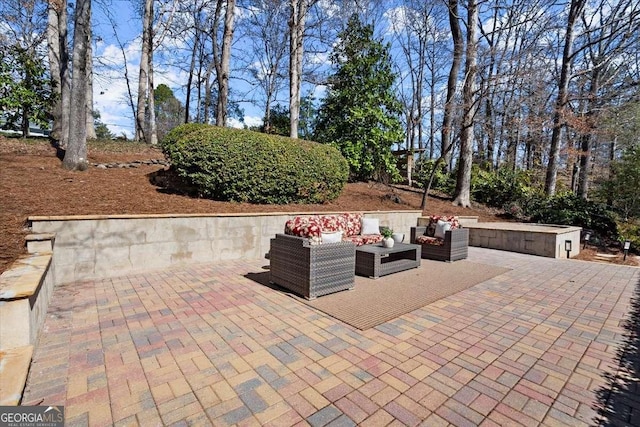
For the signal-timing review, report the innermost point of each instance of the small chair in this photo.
(312, 270)
(453, 246)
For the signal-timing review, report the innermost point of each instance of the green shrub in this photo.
(569, 209)
(630, 231)
(171, 139)
(442, 180)
(500, 188)
(246, 166)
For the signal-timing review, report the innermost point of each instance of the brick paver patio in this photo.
(550, 342)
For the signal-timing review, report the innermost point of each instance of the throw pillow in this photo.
(441, 228)
(431, 229)
(334, 237)
(370, 226)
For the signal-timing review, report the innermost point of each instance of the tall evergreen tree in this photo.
(361, 115)
(25, 92)
(169, 110)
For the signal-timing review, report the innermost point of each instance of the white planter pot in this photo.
(388, 242)
(398, 237)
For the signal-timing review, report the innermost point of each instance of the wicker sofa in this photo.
(449, 243)
(303, 260)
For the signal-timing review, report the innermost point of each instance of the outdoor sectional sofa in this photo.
(316, 254)
(442, 239)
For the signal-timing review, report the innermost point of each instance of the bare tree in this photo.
(298, 9)
(75, 157)
(575, 9)
(419, 31)
(197, 46)
(452, 82)
(605, 49)
(130, 100)
(267, 30)
(462, 196)
(221, 58)
(143, 76)
(297, 19)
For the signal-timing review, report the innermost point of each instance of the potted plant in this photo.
(387, 237)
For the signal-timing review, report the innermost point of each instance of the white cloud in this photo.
(249, 121)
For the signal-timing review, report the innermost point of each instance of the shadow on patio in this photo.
(619, 400)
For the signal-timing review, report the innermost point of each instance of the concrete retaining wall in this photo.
(90, 247)
(546, 240)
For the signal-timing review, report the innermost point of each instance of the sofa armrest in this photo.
(417, 231)
(457, 236)
(302, 241)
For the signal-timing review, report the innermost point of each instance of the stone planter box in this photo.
(546, 240)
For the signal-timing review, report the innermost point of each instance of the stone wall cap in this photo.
(524, 227)
(23, 277)
(39, 237)
(203, 215)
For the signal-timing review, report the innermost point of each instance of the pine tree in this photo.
(360, 114)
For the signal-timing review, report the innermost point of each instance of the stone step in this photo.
(40, 242)
(605, 257)
(14, 367)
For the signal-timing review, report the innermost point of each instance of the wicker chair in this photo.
(312, 270)
(455, 245)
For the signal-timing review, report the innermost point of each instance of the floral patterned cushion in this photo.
(331, 223)
(352, 223)
(314, 225)
(455, 223)
(427, 240)
(364, 239)
(304, 226)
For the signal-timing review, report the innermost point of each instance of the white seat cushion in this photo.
(334, 237)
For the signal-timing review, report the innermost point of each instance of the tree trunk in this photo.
(75, 157)
(611, 171)
(59, 68)
(561, 101)
(425, 193)
(54, 67)
(153, 129)
(588, 137)
(223, 70)
(192, 67)
(452, 83)
(91, 130)
(296, 50)
(24, 122)
(462, 195)
(143, 77)
(207, 92)
(432, 115)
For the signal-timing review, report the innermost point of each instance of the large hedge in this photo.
(246, 166)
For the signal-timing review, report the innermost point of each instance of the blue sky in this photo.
(110, 88)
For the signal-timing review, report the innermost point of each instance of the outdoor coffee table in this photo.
(376, 260)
